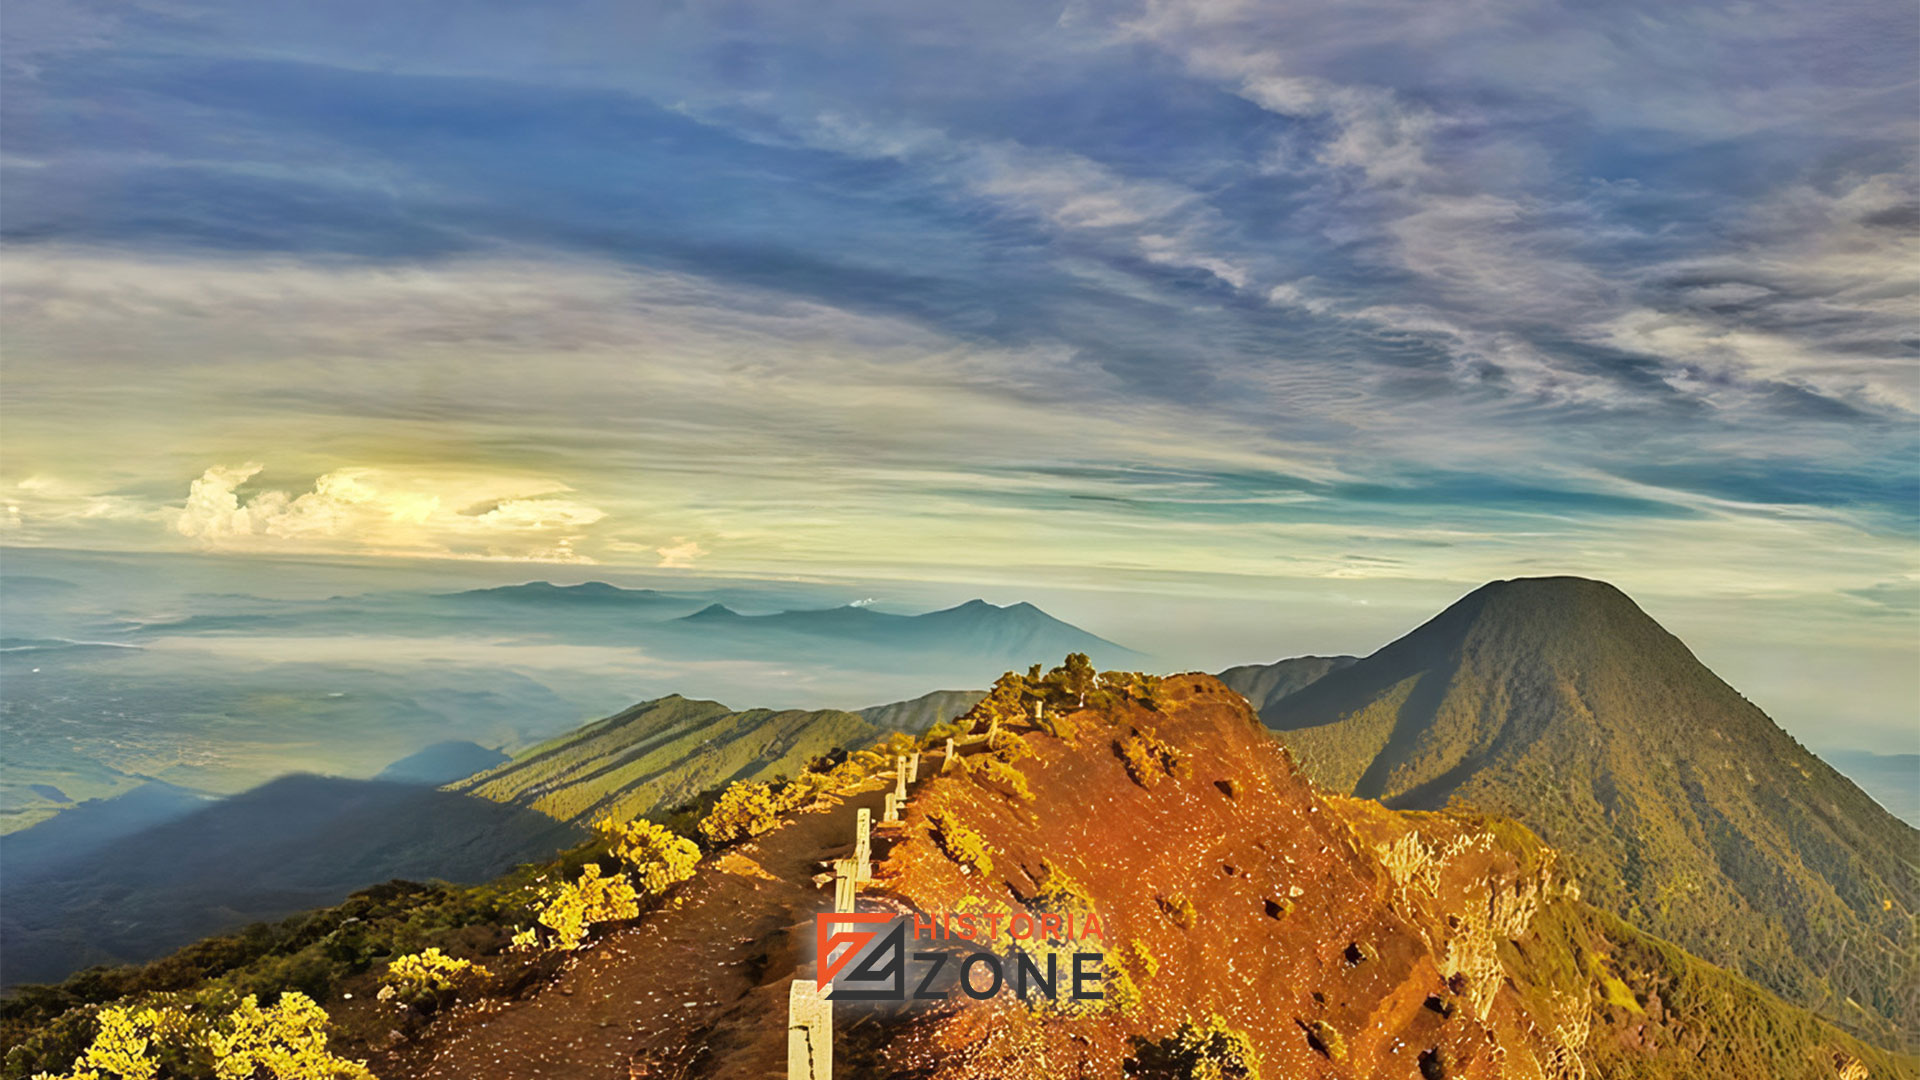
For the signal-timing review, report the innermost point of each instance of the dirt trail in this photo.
(692, 990)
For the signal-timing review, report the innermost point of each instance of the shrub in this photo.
(1148, 757)
(285, 1041)
(1012, 780)
(1209, 1050)
(1008, 747)
(745, 810)
(1058, 725)
(1059, 892)
(1178, 908)
(656, 856)
(959, 843)
(574, 908)
(428, 978)
(1138, 758)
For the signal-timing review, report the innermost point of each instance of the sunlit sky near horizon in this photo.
(1267, 327)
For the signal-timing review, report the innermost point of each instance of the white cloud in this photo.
(680, 554)
(367, 510)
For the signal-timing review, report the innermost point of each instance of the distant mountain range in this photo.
(975, 639)
(1015, 635)
(1558, 702)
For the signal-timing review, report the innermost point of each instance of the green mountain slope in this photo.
(916, 715)
(1558, 702)
(662, 754)
(1265, 684)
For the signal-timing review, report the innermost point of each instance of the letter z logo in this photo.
(882, 966)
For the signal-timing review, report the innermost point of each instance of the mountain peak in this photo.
(711, 612)
(1560, 702)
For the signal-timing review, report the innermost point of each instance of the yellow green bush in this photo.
(1008, 747)
(1059, 892)
(427, 977)
(655, 856)
(284, 1041)
(961, 844)
(1147, 757)
(1004, 776)
(574, 908)
(745, 810)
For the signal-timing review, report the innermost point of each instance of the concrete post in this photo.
(1039, 711)
(843, 885)
(893, 807)
(913, 767)
(809, 1033)
(863, 845)
(947, 761)
(900, 778)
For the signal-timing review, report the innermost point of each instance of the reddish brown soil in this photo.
(661, 992)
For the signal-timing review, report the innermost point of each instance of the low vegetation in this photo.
(429, 979)
(959, 843)
(1209, 1049)
(1148, 757)
(284, 1041)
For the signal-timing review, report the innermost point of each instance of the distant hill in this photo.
(587, 594)
(1264, 684)
(1015, 635)
(918, 714)
(442, 763)
(1557, 701)
(1892, 779)
(663, 753)
(297, 842)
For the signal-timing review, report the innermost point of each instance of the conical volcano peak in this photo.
(1560, 702)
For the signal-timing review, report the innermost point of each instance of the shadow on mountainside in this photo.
(291, 844)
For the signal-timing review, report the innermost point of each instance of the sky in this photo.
(1236, 328)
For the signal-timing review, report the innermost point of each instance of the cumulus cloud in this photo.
(367, 510)
(680, 554)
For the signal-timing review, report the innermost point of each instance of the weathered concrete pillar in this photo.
(947, 761)
(1039, 711)
(843, 885)
(893, 807)
(809, 1033)
(900, 778)
(863, 845)
(913, 767)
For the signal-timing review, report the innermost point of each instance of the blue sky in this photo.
(1271, 304)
